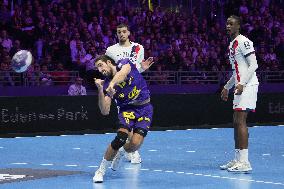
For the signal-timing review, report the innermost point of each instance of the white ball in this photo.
(21, 61)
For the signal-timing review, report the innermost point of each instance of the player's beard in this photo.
(108, 73)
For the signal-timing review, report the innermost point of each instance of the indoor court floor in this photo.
(183, 159)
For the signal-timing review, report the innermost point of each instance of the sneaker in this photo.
(116, 159)
(99, 176)
(240, 167)
(135, 157)
(228, 165)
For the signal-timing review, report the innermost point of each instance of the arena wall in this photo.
(64, 114)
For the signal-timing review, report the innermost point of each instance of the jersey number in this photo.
(247, 45)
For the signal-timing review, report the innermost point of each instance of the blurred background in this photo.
(187, 38)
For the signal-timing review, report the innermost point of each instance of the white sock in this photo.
(122, 150)
(104, 164)
(237, 154)
(244, 155)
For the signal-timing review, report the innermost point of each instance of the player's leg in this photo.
(132, 146)
(128, 156)
(110, 153)
(133, 157)
(232, 162)
(243, 164)
(143, 118)
(144, 121)
(136, 140)
(246, 103)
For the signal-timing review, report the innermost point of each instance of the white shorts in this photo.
(247, 100)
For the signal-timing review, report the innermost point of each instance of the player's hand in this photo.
(110, 90)
(146, 64)
(224, 94)
(99, 83)
(239, 89)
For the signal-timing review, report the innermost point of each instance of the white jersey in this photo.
(135, 52)
(239, 49)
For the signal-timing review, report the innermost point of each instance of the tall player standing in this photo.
(243, 60)
(135, 53)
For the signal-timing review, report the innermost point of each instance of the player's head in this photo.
(105, 65)
(122, 32)
(233, 25)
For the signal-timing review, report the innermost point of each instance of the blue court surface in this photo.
(171, 159)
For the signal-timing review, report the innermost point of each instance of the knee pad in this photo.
(140, 131)
(119, 140)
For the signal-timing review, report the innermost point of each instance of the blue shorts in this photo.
(133, 117)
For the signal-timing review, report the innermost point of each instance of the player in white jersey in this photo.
(243, 60)
(127, 49)
(135, 52)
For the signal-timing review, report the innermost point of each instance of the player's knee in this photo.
(141, 131)
(137, 140)
(119, 140)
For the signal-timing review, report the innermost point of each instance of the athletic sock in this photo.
(244, 155)
(104, 164)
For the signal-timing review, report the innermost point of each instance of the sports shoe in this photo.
(135, 157)
(228, 165)
(116, 159)
(99, 176)
(240, 167)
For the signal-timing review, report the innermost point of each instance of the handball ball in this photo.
(21, 61)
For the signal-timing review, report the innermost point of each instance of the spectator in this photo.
(77, 55)
(15, 48)
(5, 41)
(45, 77)
(77, 88)
(60, 76)
(55, 28)
(6, 78)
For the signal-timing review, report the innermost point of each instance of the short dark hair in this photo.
(237, 18)
(105, 58)
(122, 26)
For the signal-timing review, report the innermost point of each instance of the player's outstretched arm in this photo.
(104, 101)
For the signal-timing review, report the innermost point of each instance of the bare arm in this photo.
(104, 101)
(119, 77)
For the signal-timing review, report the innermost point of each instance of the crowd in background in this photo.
(69, 34)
